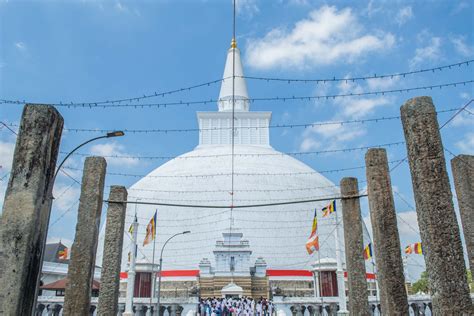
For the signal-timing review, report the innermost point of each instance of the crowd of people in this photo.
(243, 306)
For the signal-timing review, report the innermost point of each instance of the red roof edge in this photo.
(170, 273)
(271, 272)
(294, 273)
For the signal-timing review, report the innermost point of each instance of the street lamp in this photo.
(108, 135)
(161, 264)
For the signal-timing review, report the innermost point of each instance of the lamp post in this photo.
(108, 135)
(159, 269)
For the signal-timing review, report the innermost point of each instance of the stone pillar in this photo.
(27, 206)
(81, 266)
(390, 274)
(354, 247)
(435, 211)
(463, 173)
(110, 274)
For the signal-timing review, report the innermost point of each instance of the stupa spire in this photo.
(240, 86)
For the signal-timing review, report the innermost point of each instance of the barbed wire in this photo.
(240, 206)
(280, 99)
(118, 101)
(250, 174)
(276, 153)
(275, 126)
(353, 79)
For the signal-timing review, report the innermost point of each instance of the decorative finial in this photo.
(233, 44)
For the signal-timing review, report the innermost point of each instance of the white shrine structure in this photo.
(266, 255)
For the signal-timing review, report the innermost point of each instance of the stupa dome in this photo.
(202, 177)
(276, 233)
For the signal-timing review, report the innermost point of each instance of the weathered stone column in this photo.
(81, 266)
(354, 247)
(27, 206)
(393, 295)
(110, 274)
(463, 173)
(435, 211)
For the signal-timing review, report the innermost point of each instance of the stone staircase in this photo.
(253, 287)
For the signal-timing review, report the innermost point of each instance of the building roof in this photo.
(61, 285)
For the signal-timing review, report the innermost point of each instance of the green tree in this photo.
(422, 285)
(469, 281)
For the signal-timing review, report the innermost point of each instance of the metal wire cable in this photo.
(277, 98)
(362, 78)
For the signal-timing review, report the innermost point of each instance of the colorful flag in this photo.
(150, 231)
(130, 229)
(418, 249)
(312, 244)
(62, 254)
(331, 208)
(368, 251)
(414, 248)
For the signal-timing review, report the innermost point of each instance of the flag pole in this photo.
(320, 285)
(153, 277)
(341, 286)
(131, 270)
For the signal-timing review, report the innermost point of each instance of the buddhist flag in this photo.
(312, 244)
(130, 229)
(150, 231)
(414, 248)
(62, 254)
(418, 249)
(331, 208)
(368, 251)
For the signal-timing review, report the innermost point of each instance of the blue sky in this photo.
(86, 51)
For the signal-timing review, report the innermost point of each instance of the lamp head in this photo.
(187, 232)
(115, 134)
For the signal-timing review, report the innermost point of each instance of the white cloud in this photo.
(371, 9)
(466, 145)
(357, 108)
(246, 7)
(64, 241)
(463, 119)
(326, 37)
(461, 6)
(6, 159)
(6, 156)
(114, 149)
(431, 51)
(381, 83)
(299, 2)
(404, 15)
(354, 108)
(309, 144)
(65, 196)
(461, 47)
(334, 136)
(122, 8)
(331, 136)
(21, 46)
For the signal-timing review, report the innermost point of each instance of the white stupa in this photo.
(203, 177)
